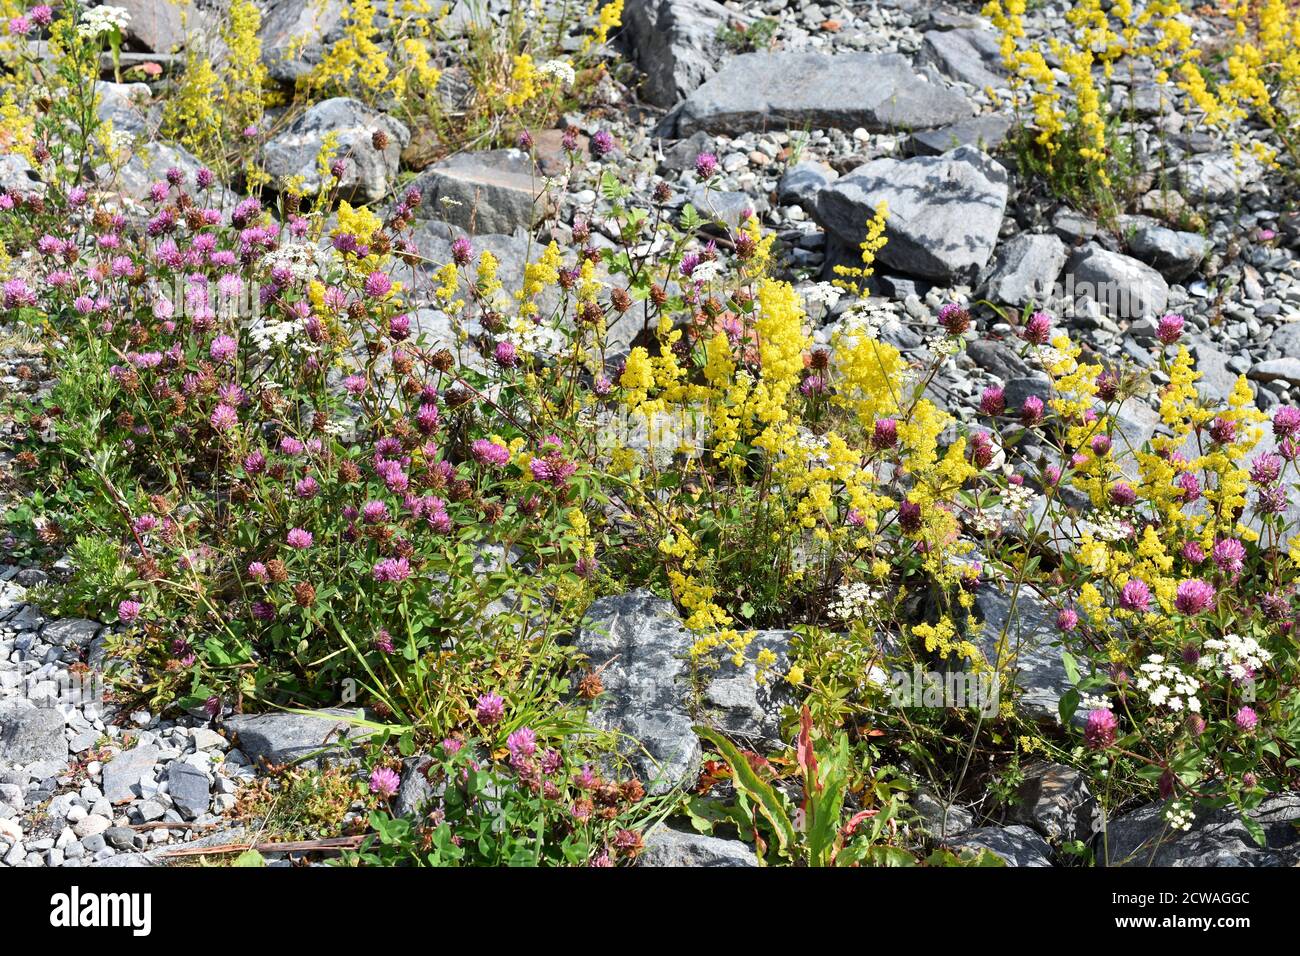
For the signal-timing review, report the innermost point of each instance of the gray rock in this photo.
(682, 155)
(155, 25)
(494, 191)
(1122, 286)
(1029, 650)
(944, 211)
(149, 164)
(294, 33)
(666, 847)
(17, 178)
(1055, 800)
(880, 92)
(1015, 845)
(414, 792)
(29, 733)
(736, 703)
(188, 787)
(291, 738)
(1285, 369)
(70, 632)
(1025, 270)
(124, 773)
(1175, 255)
(985, 132)
(725, 207)
(1217, 379)
(675, 43)
(969, 55)
(1073, 227)
(941, 819)
(639, 641)
(368, 173)
(1217, 837)
(122, 838)
(1285, 340)
(92, 825)
(1215, 177)
(802, 182)
(125, 105)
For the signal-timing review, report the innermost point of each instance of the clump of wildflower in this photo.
(1167, 686)
(1246, 719)
(1100, 729)
(489, 709)
(384, 783)
(1135, 595)
(1194, 596)
(298, 538)
(129, 611)
(490, 453)
(1170, 328)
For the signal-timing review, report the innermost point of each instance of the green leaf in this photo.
(768, 802)
(249, 858)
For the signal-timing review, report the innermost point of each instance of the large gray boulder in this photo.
(944, 211)
(970, 55)
(1055, 800)
(675, 43)
(490, 191)
(1217, 837)
(369, 172)
(665, 847)
(1025, 269)
(29, 734)
(642, 647)
(880, 92)
(1014, 845)
(295, 33)
(1121, 285)
(155, 25)
(281, 738)
(1022, 641)
(1174, 254)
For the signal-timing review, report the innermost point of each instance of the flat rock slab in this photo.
(1124, 287)
(665, 848)
(489, 191)
(123, 774)
(879, 92)
(639, 641)
(1217, 837)
(944, 211)
(985, 132)
(1029, 651)
(1015, 845)
(368, 172)
(291, 738)
(29, 734)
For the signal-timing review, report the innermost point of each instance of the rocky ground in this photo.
(853, 103)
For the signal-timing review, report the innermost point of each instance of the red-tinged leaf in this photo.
(807, 757)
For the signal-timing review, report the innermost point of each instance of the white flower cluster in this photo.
(299, 258)
(1166, 685)
(1240, 657)
(854, 600)
(868, 320)
(273, 333)
(1093, 702)
(1109, 526)
(562, 70)
(103, 19)
(706, 271)
(822, 293)
(534, 338)
(1179, 815)
(1017, 498)
(1048, 356)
